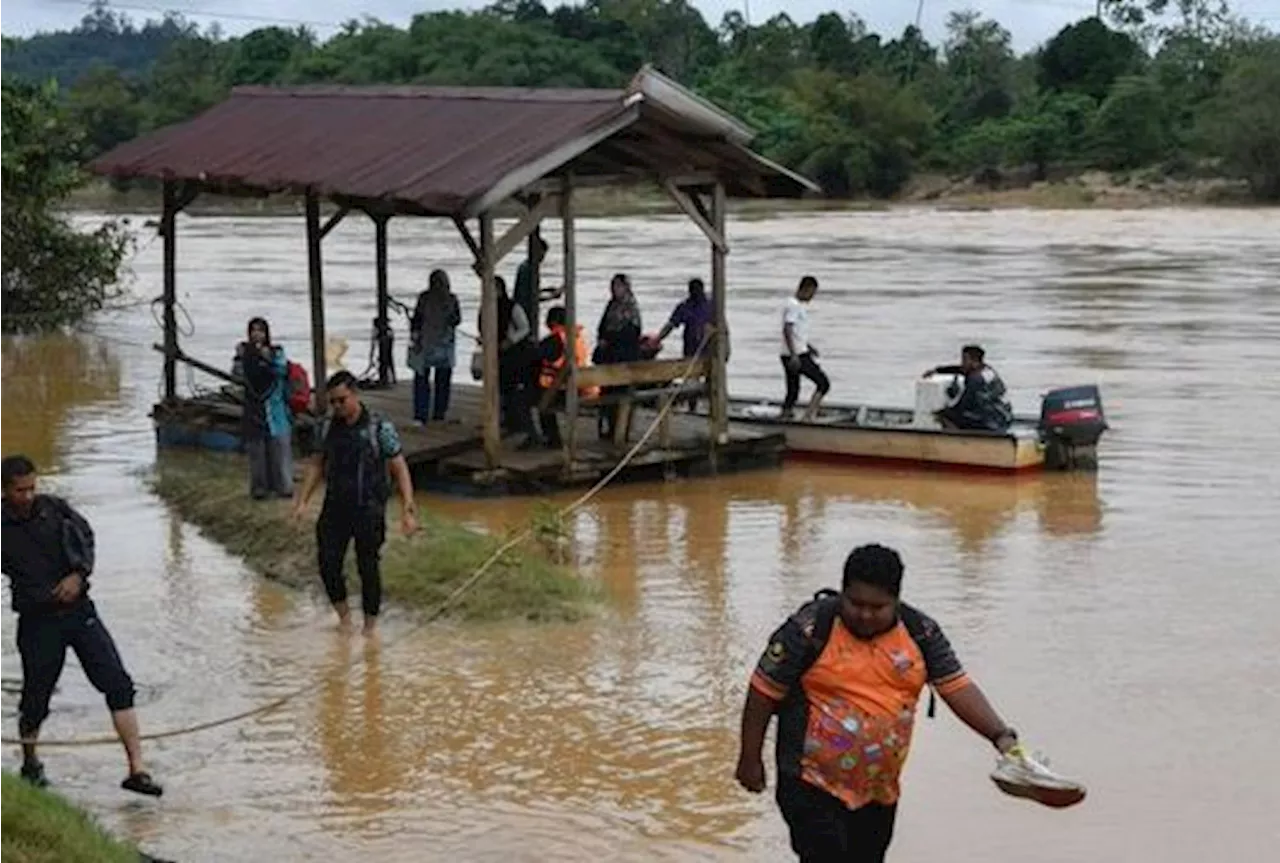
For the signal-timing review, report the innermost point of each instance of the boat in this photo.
(1064, 436)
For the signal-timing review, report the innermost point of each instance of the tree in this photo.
(1242, 122)
(53, 275)
(107, 106)
(1131, 127)
(1087, 57)
(980, 66)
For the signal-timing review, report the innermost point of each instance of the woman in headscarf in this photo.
(267, 424)
(432, 347)
(617, 339)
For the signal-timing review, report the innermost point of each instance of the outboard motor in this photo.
(1071, 423)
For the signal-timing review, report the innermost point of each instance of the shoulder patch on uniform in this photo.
(777, 652)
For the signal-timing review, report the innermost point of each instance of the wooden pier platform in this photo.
(449, 456)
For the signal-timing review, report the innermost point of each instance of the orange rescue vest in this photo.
(582, 357)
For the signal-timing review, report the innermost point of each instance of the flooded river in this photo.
(1126, 622)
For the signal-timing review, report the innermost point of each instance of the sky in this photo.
(1030, 22)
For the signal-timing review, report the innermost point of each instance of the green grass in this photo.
(41, 827)
(211, 491)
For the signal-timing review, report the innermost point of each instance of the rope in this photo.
(458, 592)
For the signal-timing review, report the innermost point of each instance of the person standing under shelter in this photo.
(799, 356)
(694, 315)
(266, 422)
(433, 347)
(843, 675)
(358, 452)
(48, 555)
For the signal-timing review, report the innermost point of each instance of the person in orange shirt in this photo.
(844, 675)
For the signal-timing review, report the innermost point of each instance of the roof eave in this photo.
(665, 93)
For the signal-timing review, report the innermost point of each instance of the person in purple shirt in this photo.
(694, 314)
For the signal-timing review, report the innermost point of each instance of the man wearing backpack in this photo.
(357, 450)
(844, 674)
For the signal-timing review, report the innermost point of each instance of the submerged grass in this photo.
(210, 490)
(41, 827)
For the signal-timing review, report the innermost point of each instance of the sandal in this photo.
(142, 783)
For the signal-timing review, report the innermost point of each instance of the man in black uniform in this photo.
(48, 555)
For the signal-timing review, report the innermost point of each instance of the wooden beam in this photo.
(461, 224)
(524, 228)
(490, 338)
(720, 355)
(386, 364)
(168, 225)
(571, 314)
(202, 366)
(531, 172)
(683, 201)
(315, 284)
(334, 220)
(642, 372)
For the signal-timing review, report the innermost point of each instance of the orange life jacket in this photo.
(582, 357)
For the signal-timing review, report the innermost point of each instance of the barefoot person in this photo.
(844, 674)
(799, 356)
(48, 556)
(357, 450)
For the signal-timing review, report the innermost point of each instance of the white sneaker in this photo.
(1023, 775)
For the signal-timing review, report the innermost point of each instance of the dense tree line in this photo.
(1177, 85)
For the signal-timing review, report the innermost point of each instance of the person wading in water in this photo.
(357, 449)
(843, 675)
(48, 556)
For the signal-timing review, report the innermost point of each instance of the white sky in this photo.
(1030, 21)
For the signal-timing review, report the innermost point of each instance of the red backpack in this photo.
(299, 388)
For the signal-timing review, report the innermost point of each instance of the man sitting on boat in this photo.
(984, 403)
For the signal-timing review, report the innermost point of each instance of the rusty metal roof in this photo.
(444, 150)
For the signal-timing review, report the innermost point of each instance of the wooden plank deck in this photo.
(450, 455)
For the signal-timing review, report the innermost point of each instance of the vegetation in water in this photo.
(210, 491)
(1181, 88)
(53, 274)
(41, 827)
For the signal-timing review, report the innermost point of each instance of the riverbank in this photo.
(418, 572)
(1140, 189)
(42, 827)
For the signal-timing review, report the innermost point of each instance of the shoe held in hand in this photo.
(1022, 775)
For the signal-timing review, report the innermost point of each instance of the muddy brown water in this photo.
(1126, 622)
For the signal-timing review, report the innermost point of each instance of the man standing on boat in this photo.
(984, 404)
(844, 674)
(48, 557)
(799, 356)
(356, 450)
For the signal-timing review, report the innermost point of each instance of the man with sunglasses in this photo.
(358, 452)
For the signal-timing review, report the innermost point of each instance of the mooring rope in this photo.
(671, 393)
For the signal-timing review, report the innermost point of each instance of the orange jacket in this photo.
(582, 357)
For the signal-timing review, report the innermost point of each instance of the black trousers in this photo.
(824, 830)
(43, 640)
(336, 528)
(807, 367)
(547, 419)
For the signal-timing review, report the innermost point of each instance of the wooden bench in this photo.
(647, 382)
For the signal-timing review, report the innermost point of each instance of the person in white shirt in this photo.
(799, 356)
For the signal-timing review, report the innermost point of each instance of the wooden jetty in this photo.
(466, 155)
(450, 456)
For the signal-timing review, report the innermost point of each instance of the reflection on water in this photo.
(45, 379)
(1110, 614)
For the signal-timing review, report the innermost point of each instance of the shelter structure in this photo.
(461, 154)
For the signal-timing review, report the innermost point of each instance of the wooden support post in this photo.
(168, 223)
(571, 317)
(382, 327)
(720, 358)
(315, 284)
(490, 338)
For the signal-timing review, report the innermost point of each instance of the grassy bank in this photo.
(41, 827)
(210, 490)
